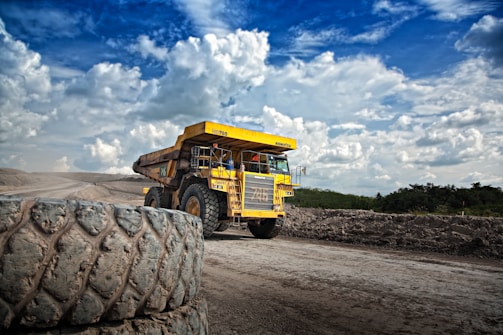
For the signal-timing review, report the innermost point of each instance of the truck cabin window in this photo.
(278, 165)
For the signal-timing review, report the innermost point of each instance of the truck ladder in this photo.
(235, 195)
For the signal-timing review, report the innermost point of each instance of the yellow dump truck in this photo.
(223, 174)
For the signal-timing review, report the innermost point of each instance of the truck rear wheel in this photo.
(200, 201)
(266, 228)
(157, 197)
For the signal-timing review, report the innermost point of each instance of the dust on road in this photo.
(295, 286)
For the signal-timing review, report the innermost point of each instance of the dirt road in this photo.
(286, 286)
(293, 286)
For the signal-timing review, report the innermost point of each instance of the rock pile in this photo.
(456, 235)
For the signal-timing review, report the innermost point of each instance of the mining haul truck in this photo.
(224, 175)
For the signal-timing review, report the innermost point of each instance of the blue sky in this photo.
(379, 94)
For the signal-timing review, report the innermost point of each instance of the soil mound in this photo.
(455, 235)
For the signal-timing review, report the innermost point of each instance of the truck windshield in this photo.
(278, 165)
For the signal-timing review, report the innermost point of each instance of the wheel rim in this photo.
(193, 206)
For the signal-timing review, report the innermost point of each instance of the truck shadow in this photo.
(229, 236)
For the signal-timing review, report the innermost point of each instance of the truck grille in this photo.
(259, 192)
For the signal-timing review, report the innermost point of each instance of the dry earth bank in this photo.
(455, 235)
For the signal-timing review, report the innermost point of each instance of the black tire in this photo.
(68, 262)
(223, 220)
(158, 197)
(200, 201)
(222, 205)
(189, 319)
(266, 228)
(223, 225)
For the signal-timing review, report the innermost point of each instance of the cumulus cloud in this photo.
(470, 83)
(361, 126)
(24, 83)
(206, 73)
(107, 82)
(328, 89)
(61, 165)
(94, 102)
(484, 38)
(107, 153)
(155, 136)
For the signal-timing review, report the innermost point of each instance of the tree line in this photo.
(478, 200)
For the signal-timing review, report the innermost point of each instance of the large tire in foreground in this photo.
(189, 319)
(200, 201)
(266, 228)
(67, 262)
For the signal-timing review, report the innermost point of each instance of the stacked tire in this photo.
(80, 267)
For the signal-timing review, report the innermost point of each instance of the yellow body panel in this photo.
(274, 141)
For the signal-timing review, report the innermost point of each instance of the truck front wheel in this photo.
(200, 201)
(266, 228)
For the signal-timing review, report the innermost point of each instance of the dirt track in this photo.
(294, 286)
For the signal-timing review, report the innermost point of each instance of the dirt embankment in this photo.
(455, 235)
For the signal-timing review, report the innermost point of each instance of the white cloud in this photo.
(24, 84)
(349, 125)
(328, 89)
(104, 152)
(386, 7)
(161, 134)
(484, 38)
(470, 83)
(61, 72)
(403, 122)
(361, 126)
(208, 15)
(206, 73)
(99, 100)
(456, 10)
(428, 177)
(147, 47)
(392, 15)
(125, 170)
(108, 82)
(306, 41)
(61, 165)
